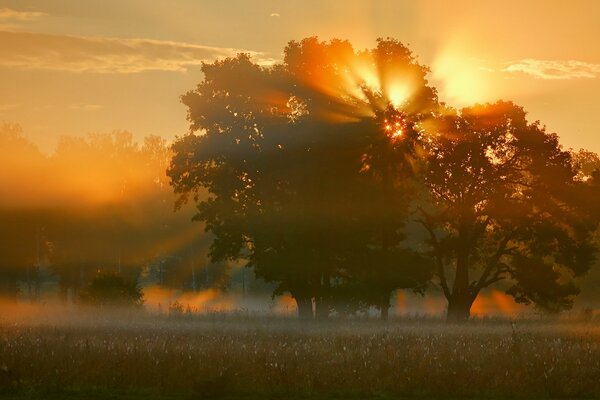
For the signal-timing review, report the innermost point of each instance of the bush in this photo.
(111, 289)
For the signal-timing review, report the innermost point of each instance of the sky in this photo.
(72, 67)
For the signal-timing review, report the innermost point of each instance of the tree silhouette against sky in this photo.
(507, 208)
(309, 168)
(313, 165)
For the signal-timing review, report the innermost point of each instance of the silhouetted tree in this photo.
(587, 163)
(306, 164)
(506, 207)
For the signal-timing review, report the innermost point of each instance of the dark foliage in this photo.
(308, 182)
(108, 289)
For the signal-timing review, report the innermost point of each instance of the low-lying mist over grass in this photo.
(216, 355)
(57, 350)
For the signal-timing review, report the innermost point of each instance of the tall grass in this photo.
(265, 358)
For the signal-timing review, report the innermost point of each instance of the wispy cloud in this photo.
(16, 15)
(86, 107)
(555, 69)
(275, 15)
(105, 55)
(8, 106)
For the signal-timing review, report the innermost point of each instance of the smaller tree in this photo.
(109, 289)
(508, 207)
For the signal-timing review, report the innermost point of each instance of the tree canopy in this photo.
(314, 166)
(507, 206)
(308, 168)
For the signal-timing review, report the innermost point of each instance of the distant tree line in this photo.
(96, 211)
(341, 177)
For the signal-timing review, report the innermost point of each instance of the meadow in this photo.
(245, 357)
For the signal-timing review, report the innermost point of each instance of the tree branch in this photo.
(493, 263)
(439, 257)
(479, 229)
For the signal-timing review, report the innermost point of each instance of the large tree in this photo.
(307, 164)
(507, 208)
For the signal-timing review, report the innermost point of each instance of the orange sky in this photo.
(70, 67)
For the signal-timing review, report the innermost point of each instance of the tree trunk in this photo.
(305, 308)
(461, 299)
(322, 307)
(323, 301)
(384, 307)
(63, 292)
(385, 310)
(459, 307)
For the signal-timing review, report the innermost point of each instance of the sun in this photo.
(394, 130)
(395, 124)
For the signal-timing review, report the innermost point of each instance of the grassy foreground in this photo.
(162, 358)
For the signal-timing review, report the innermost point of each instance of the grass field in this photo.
(153, 357)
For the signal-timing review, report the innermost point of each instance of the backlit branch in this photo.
(439, 256)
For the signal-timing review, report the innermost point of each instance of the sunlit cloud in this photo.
(275, 15)
(8, 14)
(555, 69)
(106, 55)
(267, 61)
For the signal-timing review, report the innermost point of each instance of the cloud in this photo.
(267, 61)
(15, 15)
(86, 107)
(8, 107)
(554, 69)
(105, 55)
(275, 15)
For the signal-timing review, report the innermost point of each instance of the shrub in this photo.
(111, 289)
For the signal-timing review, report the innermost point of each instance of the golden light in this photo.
(395, 131)
(209, 300)
(496, 302)
(398, 93)
(356, 84)
(395, 124)
(461, 79)
(367, 75)
(284, 305)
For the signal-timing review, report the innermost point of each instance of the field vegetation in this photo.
(240, 356)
